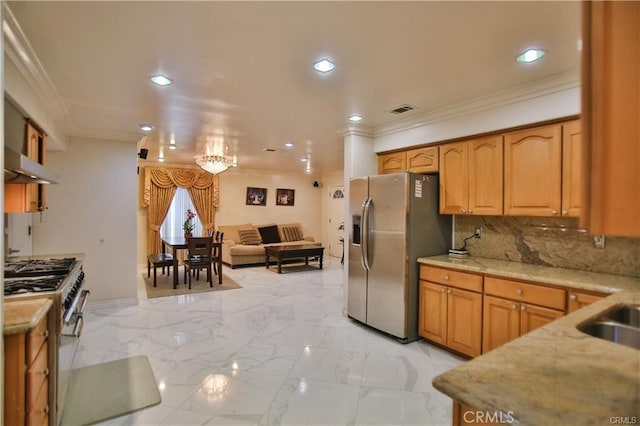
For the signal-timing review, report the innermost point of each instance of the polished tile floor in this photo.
(279, 351)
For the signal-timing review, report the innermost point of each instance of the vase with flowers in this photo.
(188, 224)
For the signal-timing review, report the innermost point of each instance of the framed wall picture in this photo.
(285, 197)
(256, 196)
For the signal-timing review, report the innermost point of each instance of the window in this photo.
(172, 225)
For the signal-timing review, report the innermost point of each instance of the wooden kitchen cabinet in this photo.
(577, 299)
(418, 160)
(610, 115)
(471, 177)
(26, 376)
(392, 163)
(513, 308)
(28, 197)
(572, 176)
(423, 160)
(450, 311)
(533, 171)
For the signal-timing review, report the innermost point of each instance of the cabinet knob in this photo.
(444, 289)
(449, 291)
(573, 297)
(514, 306)
(554, 212)
(470, 211)
(519, 292)
(564, 212)
(446, 277)
(46, 410)
(463, 210)
(46, 372)
(523, 308)
(45, 334)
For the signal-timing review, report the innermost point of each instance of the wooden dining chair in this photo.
(217, 251)
(199, 255)
(158, 260)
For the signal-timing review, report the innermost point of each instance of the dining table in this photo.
(180, 243)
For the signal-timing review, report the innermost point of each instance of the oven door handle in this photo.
(77, 328)
(84, 295)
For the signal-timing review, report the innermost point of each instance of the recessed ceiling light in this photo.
(146, 127)
(172, 146)
(530, 55)
(161, 80)
(355, 118)
(324, 65)
(303, 159)
(289, 144)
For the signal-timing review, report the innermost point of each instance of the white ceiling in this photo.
(243, 73)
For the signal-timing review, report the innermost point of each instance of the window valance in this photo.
(166, 177)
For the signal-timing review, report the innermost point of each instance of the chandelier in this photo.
(214, 164)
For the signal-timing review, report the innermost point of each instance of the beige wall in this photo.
(92, 211)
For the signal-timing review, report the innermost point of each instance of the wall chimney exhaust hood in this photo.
(19, 168)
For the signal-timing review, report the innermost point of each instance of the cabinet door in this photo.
(454, 178)
(433, 312)
(464, 321)
(423, 160)
(572, 180)
(579, 300)
(485, 176)
(610, 111)
(532, 171)
(501, 322)
(532, 317)
(392, 163)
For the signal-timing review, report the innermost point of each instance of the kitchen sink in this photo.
(620, 325)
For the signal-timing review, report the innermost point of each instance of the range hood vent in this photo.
(19, 168)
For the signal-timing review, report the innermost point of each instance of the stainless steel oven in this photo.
(61, 280)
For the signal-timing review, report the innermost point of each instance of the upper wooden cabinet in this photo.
(28, 197)
(533, 171)
(610, 114)
(572, 176)
(471, 177)
(423, 160)
(392, 163)
(419, 160)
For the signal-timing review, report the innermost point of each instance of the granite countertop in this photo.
(554, 375)
(582, 280)
(20, 316)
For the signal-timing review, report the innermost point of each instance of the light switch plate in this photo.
(598, 241)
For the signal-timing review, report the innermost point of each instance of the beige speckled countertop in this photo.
(555, 375)
(22, 315)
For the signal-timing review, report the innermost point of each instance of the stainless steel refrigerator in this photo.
(394, 221)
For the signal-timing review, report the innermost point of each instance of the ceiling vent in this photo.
(268, 150)
(402, 109)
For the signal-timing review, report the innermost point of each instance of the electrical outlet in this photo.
(598, 241)
(478, 233)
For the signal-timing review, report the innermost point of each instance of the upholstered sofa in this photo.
(244, 244)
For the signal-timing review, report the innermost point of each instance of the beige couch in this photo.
(244, 244)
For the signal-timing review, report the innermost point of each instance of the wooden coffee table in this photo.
(293, 252)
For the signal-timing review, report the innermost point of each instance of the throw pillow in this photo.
(292, 233)
(249, 237)
(269, 234)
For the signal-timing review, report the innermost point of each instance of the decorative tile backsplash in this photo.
(547, 241)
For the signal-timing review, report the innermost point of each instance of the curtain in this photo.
(160, 185)
(173, 221)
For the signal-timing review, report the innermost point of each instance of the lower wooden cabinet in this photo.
(26, 376)
(448, 315)
(513, 308)
(580, 299)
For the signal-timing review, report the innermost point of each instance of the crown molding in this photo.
(18, 49)
(357, 130)
(553, 84)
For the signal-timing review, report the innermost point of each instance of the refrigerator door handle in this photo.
(364, 237)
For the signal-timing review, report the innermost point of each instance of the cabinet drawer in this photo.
(38, 406)
(38, 371)
(530, 293)
(463, 280)
(35, 339)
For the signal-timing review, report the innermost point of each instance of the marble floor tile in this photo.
(279, 351)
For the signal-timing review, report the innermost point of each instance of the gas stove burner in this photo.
(16, 286)
(39, 267)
